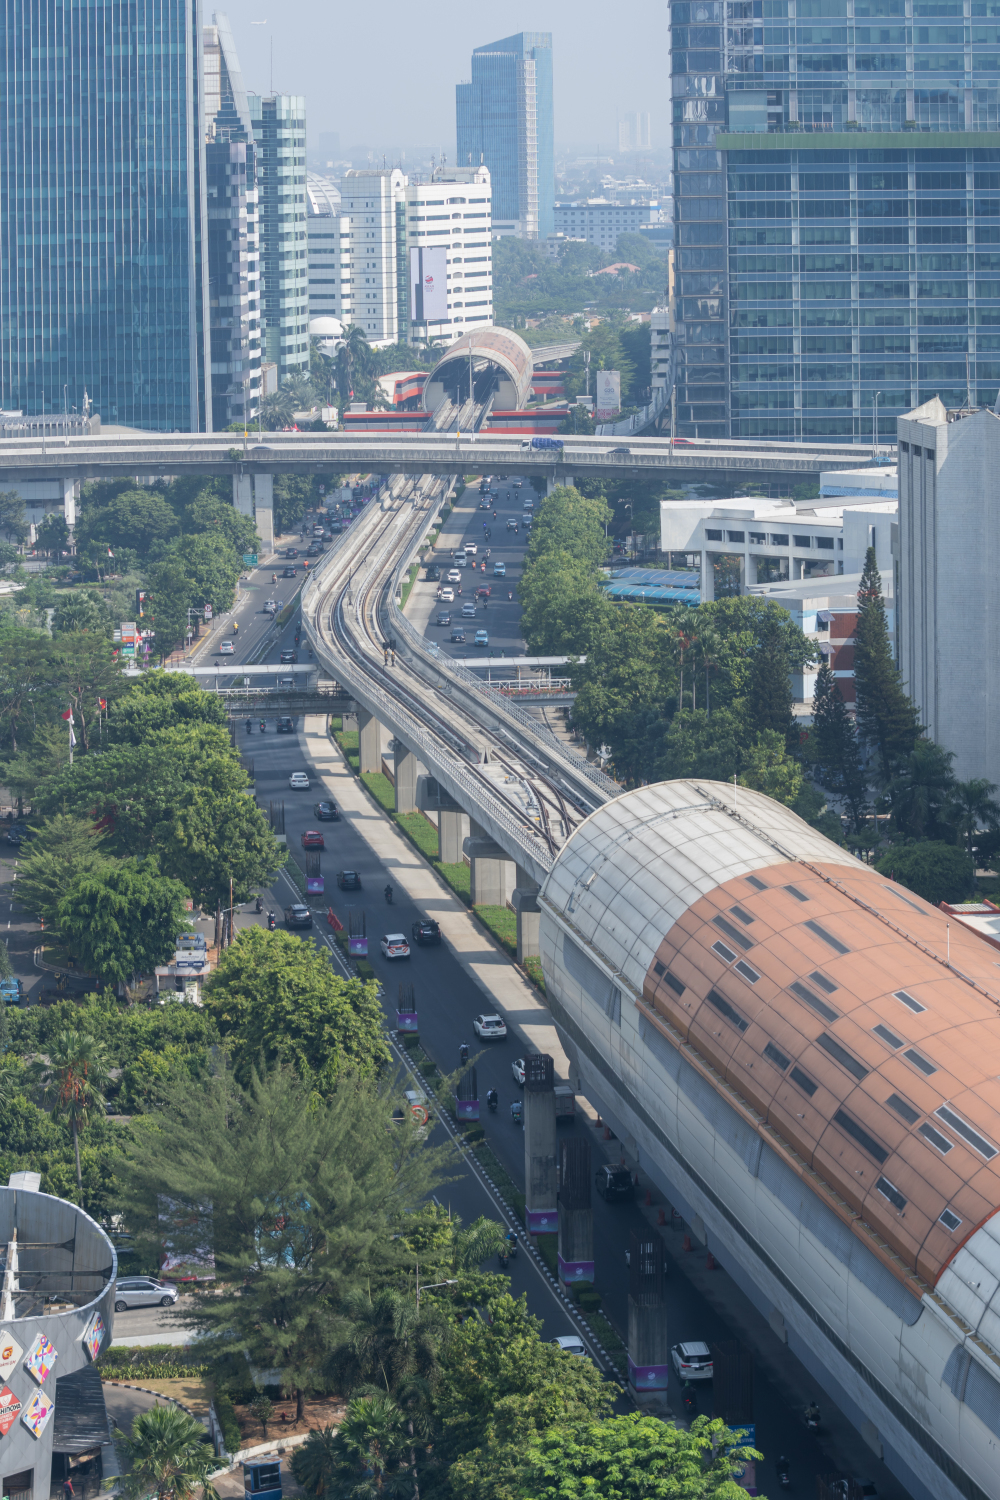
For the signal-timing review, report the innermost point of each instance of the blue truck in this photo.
(546, 442)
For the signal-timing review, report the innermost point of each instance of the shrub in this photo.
(226, 1413)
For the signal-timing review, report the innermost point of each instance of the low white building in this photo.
(826, 610)
(599, 221)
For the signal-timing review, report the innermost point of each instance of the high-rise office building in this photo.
(634, 132)
(279, 129)
(329, 231)
(233, 250)
(374, 204)
(103, 237)
(504, 120)
(837, 213)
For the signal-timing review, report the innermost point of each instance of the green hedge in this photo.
(226, 1413)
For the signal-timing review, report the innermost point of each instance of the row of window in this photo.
(880, 343)
(777, 265)
(773, 539)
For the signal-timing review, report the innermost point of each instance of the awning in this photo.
(80, 1420)
(825, 616)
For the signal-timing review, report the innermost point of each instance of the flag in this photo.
(68, 715)
(110, 553)
(72, 738)
(102, 704)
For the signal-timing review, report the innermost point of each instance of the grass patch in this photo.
(459, 877)
(381, 789)
(419, 832)
(410, 581)
(605, 1332)
(548, 1249)
(502, 1179)
(502, 923)
(533, 968)
(296, 876)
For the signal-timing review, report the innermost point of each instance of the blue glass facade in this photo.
(103, 257)
(837, 178)
(504, 119)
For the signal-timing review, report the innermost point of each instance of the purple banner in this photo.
(648, 1377)
(357, 947)
(314, 885)
(575, 1270)
(467, 1109)
(542, 1220)
(406, 1020)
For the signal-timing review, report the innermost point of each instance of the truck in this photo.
(546, 442)
(565, 1102)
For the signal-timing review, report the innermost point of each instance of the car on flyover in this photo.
(491, 1028)
(348, 880)
(313, 839)
(394, 945)
(426, 933)
(299, 781)
(298, 915)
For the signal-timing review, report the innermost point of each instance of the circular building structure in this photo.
(807, 1059)
(56, 1317)
(501, 364)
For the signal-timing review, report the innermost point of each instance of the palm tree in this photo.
(974, 807)
(389, 1340)
(922, 789)
(374, 1441)
(73, 1082)
(168, 1456)
(316, 1464)
(481, 1241)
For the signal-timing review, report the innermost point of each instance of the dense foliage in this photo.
(527, 282)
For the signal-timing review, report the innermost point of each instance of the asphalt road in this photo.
(500, 616)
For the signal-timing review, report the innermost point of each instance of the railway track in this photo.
(515, 779)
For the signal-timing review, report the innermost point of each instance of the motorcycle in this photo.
(271, 923)
(690, 1401)
(516, 1111)
(492, 1101)
(260, 906)
(510, 593)
(387, 893)
(503, 1257)
(511, 1241)
(263, 725)
(812, 1418)
(781, 1469)
(463, 1054)
(249, 727)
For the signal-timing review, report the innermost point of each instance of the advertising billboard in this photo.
(428, 284)
(609, 394)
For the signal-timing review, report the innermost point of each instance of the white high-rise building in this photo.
(373, 201)
(329, 232)
(634, 132)
(449, 221)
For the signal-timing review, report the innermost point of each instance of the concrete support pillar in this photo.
(648, 1342)
(405, 765)
(453, 829)
(524, 899)
(576, 1216)
(541, 1179)
(263, 496)
(369, 741)
(69, 501)
(243, 494)
(492, 870)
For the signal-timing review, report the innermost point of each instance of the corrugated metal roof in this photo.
(639, 592)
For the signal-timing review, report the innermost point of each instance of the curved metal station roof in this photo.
(856, 1028)
(500, 347)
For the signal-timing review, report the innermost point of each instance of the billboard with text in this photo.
(609, 394)
(428, 284)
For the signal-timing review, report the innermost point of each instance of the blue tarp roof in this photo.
(639, 592)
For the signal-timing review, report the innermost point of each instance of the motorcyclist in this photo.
(510, 593)
(812, 1414)
(511, 1238)
(491, 1100)
(249, 727)
(387, 893)
(236, 627)
(260, 904)
(515, 1111)
(781, 1467)
(463, 1053)
(270, 921)
(274, 577)
(263, 725)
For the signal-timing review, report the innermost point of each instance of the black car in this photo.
(17, 834)
(292, 552)
(285, 724)
(444, 618)
(433, 573)
(326, 812)
(349, 880)
(458, 635)
(614, 1184)
(426, 933)
(298, 915)
(288, 573)
(314, 550)
(288, 656)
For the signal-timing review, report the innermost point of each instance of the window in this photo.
(913, 1056)
(740, 938)
(900, 897)
(859, 1134)
(736, 536)
(819, 1006)
(793, 890)
(758, 537)
(724, 953)
(825, 541)
(758, 885)
(890, 1039)
(909, 1001)
(675, 984)
(846, 1059)
(958, 1125)
(659, 969)
(778, 539)
(713, 536)
(936, 1138)
(908, 1113)
(749, 974)
(827, 937)
(802, 541)
(725, 1009)
(741, 915)
(803, 1080)
(893, 1194)
(772, 1053)
(949, 1220)
(823, 982)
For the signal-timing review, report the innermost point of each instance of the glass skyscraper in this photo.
(504, 120)
(279, 128)
(103, 244)
(837, 179)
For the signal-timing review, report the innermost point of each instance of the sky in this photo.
(384, 74)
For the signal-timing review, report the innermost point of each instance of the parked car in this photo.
(426, 932)
(394, 945)
(227, 649)
(313, 839)
(692, 1361)
(349, 880)
(444, 618)
(326, 812)
(143, 1291)
(614, 1184)
(288, 657)
(492, 1028)
(571, 1343)
(499, 570)
(298, 915)
(482, 638)
(299, 781)
(285, 724)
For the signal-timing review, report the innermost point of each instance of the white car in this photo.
(227, 649)
(394, 945)
(490, 1028)
(454, 575)
(571, 1343)
(468, 610)
(517, 1069)
(447, 596)
(471, 549)
(143, 1291)
(299, 781)
(692, 1361)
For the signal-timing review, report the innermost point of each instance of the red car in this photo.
(313, 839)
(483, 592)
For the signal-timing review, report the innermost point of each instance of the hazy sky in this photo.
(385, 74)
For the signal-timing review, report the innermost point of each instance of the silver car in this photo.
(143, 1291)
